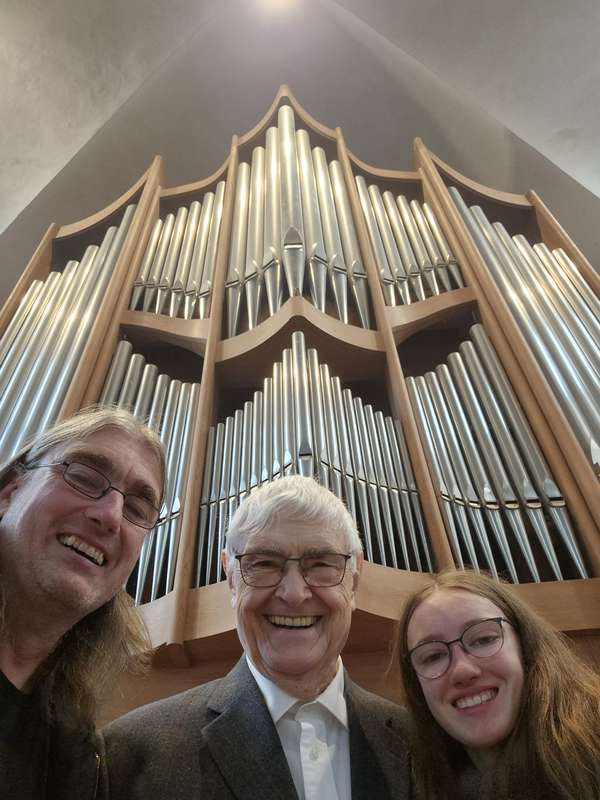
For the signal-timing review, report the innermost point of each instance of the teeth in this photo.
(75, 543)
(293, 622)
(476, 699)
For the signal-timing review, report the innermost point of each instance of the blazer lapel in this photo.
(244, 742)
(379, 762)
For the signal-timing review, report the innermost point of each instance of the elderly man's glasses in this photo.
(265, 570)
(482, 639)
(93, 483)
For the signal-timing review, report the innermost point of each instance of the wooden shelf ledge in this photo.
(157, 618)
(353, 352)
(570, 606)
(405, 321)
(175, 196)
(190, 334)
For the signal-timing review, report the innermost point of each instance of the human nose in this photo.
(107, 511)
(463, 666)
(293, 589)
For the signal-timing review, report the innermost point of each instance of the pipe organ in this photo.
(426, 347)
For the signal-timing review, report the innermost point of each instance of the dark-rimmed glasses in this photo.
(90, 482)
(482, 639)
(265, 570)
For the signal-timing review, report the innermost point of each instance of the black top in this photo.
(24, 743)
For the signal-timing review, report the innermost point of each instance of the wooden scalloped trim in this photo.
(294, 307)
(405, 321)
(380, 172)
(284, 93)
(73, 228)
(187, 189)
(190, 334)
(507, 198)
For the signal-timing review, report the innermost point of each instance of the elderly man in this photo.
(286, 722)
(74, 509)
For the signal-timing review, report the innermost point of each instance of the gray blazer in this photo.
(218, 741)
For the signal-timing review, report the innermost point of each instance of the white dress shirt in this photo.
(314, 737)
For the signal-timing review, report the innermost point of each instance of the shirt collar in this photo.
(280, 702)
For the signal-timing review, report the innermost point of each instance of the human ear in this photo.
(356, 577)
(229, 574)
(13, 482)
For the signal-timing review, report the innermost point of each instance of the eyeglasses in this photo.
(92, 483)
(265, 570)
(482, 639)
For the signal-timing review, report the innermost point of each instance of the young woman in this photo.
(502, 707)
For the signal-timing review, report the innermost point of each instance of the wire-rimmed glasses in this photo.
(90, 482)
(266, 570)
(482, 639)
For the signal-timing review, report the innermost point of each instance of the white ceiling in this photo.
(531, 64)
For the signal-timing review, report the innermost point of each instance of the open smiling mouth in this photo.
(83, 549)
(476, 700)
(292, 622)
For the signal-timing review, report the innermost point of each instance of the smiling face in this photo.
(294, 633)
(63, 551)
(477, 701)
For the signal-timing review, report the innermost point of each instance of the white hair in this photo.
(291, 499)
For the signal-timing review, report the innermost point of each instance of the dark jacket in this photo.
(218, 742)
(77, 762)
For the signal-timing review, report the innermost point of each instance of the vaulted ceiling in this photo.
(505, 91)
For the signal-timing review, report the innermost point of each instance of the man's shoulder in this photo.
(374, 703)
(160, 715)
(376, 712)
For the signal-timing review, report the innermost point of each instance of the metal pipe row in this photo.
(502, 508)
(413, 255)
(557, 313)
(176, 273)
(169, 406)
(43, 345)
(293, 233)
(303, 422)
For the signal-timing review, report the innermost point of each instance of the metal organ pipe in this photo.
(304, 422)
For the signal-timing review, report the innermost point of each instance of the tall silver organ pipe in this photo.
(303, 421)
(43, 345)
(176, 272)
(168, 406)
(412, 254)
(557, 314)
(501, 505)
(291, 206)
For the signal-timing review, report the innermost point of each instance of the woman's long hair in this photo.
(554, 749)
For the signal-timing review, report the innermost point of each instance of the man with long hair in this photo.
(75, 506)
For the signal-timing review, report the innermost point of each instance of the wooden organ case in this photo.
(426, 346)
